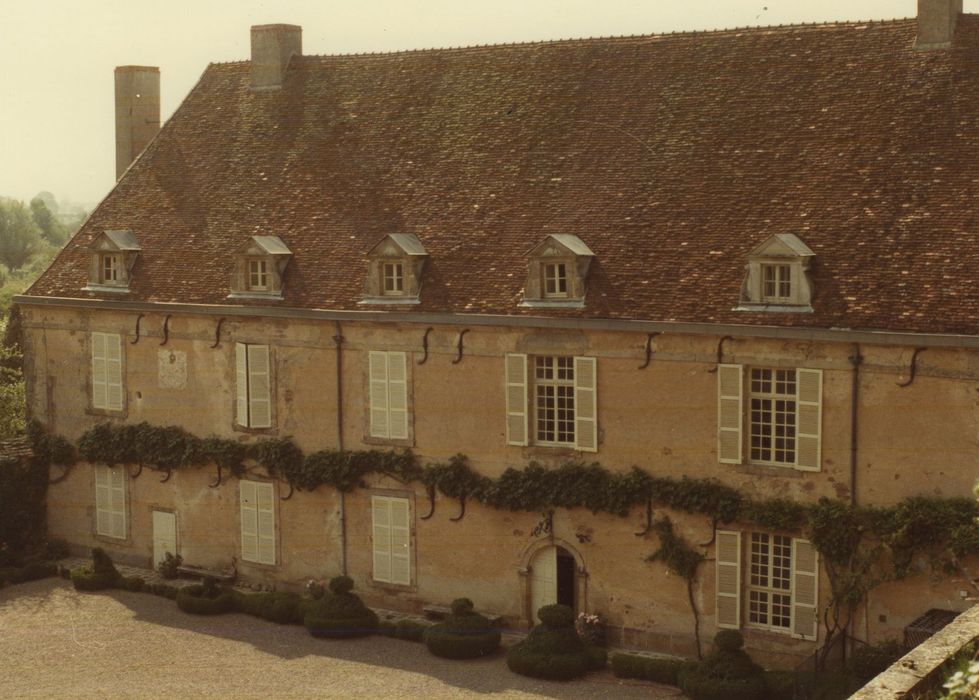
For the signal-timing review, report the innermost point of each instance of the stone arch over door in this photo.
(526, 572)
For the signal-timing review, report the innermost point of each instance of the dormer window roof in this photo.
(777, 276)
(112, 256)
(259, 266)
(394, 270)
(557, 271)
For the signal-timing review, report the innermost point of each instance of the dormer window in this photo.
(777, 277)
(113, 255)
(557, 272)
(394, 279)
(394, 270)
(259, 267)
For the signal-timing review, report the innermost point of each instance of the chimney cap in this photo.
(271, 27)
(137, 69)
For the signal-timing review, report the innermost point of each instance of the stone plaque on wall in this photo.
(172, 369)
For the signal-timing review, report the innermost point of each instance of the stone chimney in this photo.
(273, 45)
(137, 112)
(936, 23)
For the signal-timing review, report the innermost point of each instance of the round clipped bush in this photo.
(552, 650)
(97, 576)
(340, 615)
(205, 599)
(465, 634)
(728, 640)
(728, 673)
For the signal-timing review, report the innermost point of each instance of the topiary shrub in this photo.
(597, 657)
(101, 574)
(552, 650)
(341, 614)
(647, 668)
(164, 590)
(465, 634)
(133, 583)
(728, 673)
(280, 608)
(206, 598)
(168, 567)
(408, 630)
(29, 572)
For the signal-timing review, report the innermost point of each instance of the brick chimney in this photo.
(936, 23)
(137, 112)
(273, 45)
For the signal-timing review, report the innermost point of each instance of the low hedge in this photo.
(780, 684)
(597, 656)
(205, 599)
(340, 614)
(648, 668)
(280, 608)
(699, 686)
(552, 650)
(465, 634)
(408, 630)
(33, 571)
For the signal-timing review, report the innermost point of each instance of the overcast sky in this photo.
(57, 56)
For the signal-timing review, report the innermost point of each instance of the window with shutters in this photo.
(779, 587)
(778, 276)
(783, 412)
(391, 539)
(257, 511)
(259, 268)
(554, 404)
(112, 256)
(110, 501)
(106, 380)
(253, 386)
(388, 414)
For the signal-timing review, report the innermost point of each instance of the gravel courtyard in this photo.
(55, 642)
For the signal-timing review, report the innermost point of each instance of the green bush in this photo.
(133, 583)
(465, 634)
(340, 614)
(408, 630)
(168, 567)
(647, 668)
(205, 599)
(29, 572)
(164, 590)
(780, 684)
(868, 661)
(728, 640)
(98, 576)
(280, 608)
(728, 673)
(552, 650)
(597, 657)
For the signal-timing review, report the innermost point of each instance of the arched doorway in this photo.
(553, 578)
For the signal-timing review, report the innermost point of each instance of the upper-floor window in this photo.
(112, 257)
(107, 389)
(783, 408)
(557, 272)
(388, 395)
(394, 279)
(253, 386)
(777, 277)
(394, 270)
(258, 275)
(259, 268)
(554, 404)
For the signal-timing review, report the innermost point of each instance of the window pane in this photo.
(554, 399)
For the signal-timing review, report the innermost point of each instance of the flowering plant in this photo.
(964, 684)
(591, 628)
(315, 588)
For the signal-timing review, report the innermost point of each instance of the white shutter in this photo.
(117, 502)
(809, 414)
(103, 507)
(585, 404)
(241, 384)
(265, 517)
(729, 413)
(113, 371)
(378, 391)
(805, 589)
(99, 377)
(249, 520)
(400, 541)
(397, 395)
(728, 579)
(259, 387)
(381, 536)
(516, 399)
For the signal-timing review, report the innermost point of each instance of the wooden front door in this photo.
(164, 535)
(543, 580)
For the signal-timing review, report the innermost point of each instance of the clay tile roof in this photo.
(123, 240)
(671, 156)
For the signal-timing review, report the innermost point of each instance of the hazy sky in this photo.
(57, 56)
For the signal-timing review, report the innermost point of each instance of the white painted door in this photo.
(543, 580)
(164, 535)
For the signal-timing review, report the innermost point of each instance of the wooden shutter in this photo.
(400, 541)
(809, 415)
(381, 536)
(241, 384)
(113, 371)
(249, 520)
(730, 415)
(516, 399)
(805, 589)
(103, 508)
(378, 371)
(99, 376)
(117, 501)
(396, 394)
(259, 387)
(265, 518)
(728, 579)
(585, 404)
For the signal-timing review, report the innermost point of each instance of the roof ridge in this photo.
(615, 37)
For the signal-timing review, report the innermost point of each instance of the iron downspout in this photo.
(856, 359)
(338, 339)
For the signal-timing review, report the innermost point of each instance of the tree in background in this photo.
(19, 235)
(45, 216)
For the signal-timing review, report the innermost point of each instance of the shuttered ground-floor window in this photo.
(770, 583)
(391, 534)
(257, 522)
(110, 501)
